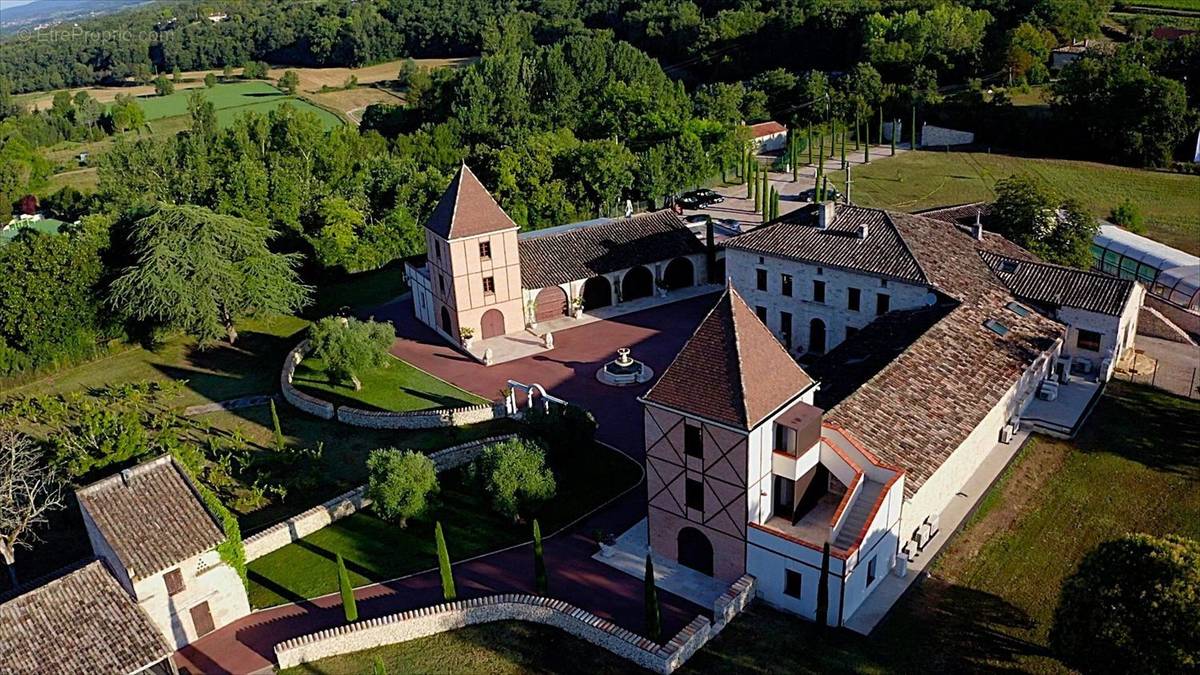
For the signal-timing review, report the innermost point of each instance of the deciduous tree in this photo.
(28, 491)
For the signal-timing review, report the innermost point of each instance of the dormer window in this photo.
(485, 249)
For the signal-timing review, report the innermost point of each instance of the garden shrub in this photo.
(515, 474)
(1132, 606)
(400, 483)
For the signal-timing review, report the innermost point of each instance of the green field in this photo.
(375, 550)
(231, 100)
(1189, 5)
(1170, 202)
(397, 387)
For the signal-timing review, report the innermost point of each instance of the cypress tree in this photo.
(823, 589)
(723, 175)
(820, 170)
(895, 128)
(810, 144)
(857, 130)
(843, 146)
(757, 195)
(795, 163)
(766, 186)
(653, 615)
(867, 143)
(444, 563)
(377, 667)
(348, 604)
(880, 124)
(540, 581)
(913, 133)
(275, 427)
(751, 177)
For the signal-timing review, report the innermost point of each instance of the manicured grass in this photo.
(503, 648)
(1170, 203)
(988, 602)
(230, 100)
(397, 387)
(1191, 5)
(375, 550)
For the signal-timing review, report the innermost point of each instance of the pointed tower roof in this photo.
(732, 370)
(467, 209)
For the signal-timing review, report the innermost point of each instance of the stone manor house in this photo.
(860, 367)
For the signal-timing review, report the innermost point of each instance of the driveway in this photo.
(568, 371)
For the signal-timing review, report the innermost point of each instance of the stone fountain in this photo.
(624, 371)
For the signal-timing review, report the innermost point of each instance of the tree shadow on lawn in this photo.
(223, 371)
(1147, 426)
(284, 592)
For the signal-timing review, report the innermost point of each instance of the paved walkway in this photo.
(629, 556)
(569, 372)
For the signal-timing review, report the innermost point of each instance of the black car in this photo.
(810, 195)
(689, 200)
(698, 199)
(696, 219)
(708, 196)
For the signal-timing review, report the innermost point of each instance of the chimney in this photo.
(977, 228)
(862, 231)
(826, 212)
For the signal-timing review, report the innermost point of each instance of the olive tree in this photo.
(1132, 606)
(350, 346)
(399, 483)
(515, 474)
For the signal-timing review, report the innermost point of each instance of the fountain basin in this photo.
(624, 371)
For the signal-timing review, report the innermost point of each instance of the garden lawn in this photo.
(910, 181)
(375, 550)
(230, 100)
(989, 601)
(397, 387)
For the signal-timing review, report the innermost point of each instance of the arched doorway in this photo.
(446, 325)
(680, 273)
(638, 283)
(597, 292)
(816, 336)
(551, 303)
(695, 551)
(492, 324)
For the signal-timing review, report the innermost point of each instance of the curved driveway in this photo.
(568, 371)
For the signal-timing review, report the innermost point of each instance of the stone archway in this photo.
(695, 550)
(680, 273)
(816, 336)
(492, 324)
(550, 304)
(638, 283)
(597, 292)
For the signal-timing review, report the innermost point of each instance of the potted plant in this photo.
(467, 335)
(662, 287)
(577, 307)
(608, 544)
(531, 314)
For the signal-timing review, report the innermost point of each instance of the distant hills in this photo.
(42, 12)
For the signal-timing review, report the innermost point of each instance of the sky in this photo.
(5, 4)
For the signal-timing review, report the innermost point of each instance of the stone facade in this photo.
(420, 623)
(301, 525)
(834, 313)
(207, 583)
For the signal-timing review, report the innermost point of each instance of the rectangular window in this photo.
(785, 328)
(693, 441)
(489, 285)
(694, 494)
(883, 283)
(819, 291)
(437, 250)
(442, 283)
(883, 304)
(853, 299)
(174, 581)
(785, 285)
(762, 314)
(792, 583)
(760, 281)
(485, 249)
(785, 439)
(1089, 340)
(871, 571)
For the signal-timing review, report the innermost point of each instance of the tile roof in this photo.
(608, 246)
(467, 209)
(1055, 285)
(732, 370)
(796, 235)
(766, 129)
(916, 410)
(81, 622)
(151, 516)
(959, 214)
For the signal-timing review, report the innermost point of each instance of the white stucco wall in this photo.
(1117, 332)
(205, 579)
(422, 295)
(742, 266)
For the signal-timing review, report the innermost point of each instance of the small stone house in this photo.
(151, 527)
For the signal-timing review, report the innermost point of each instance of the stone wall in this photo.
(1152, 323)
(309, 404)
(376, 419)
(428, 621)
(1188, 321)
(932, 136)
(301, 525)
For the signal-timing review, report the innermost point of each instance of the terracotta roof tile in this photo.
(766, 129)
(552, 259)
(1058, 286)
(732, 370)
(467, 209)
(152, 517)
(81, 622)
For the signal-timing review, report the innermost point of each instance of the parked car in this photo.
(698, 199)
(731, 224)
(688, 201)
(697, 219)
(708, 196)
(810, 194)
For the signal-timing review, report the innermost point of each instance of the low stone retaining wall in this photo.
(428, 621)
(309, 404)
(303, 524)
(1152, 323)
(376, 419)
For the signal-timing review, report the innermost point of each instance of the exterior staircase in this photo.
(860, 510)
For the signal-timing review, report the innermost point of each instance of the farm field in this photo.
(1187, 5)
(231, 100)
(1170, 203)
